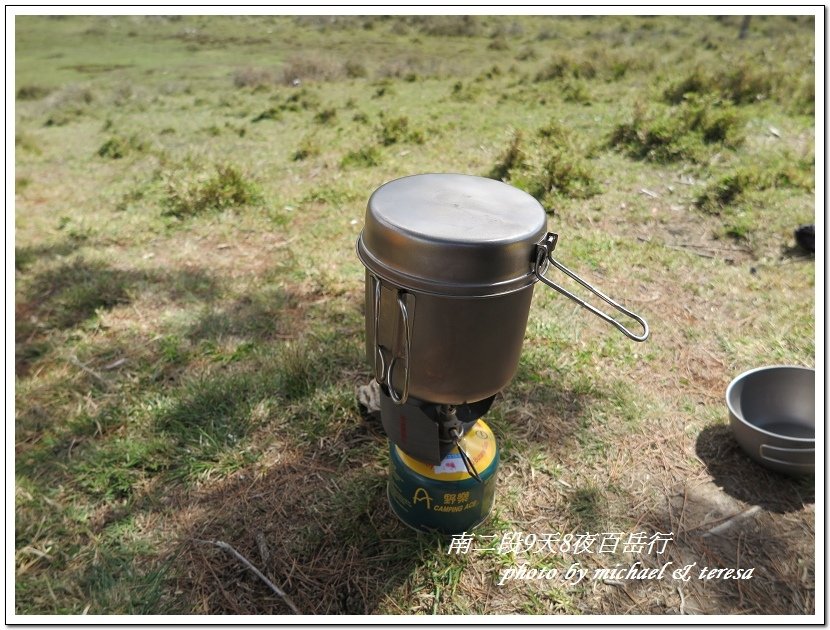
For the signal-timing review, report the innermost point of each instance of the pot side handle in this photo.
(544, 255)
(384, 369)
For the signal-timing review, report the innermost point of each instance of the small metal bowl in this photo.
(773, 417)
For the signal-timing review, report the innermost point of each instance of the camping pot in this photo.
(451, 261)
(773, 416)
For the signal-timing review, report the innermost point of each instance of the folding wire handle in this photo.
(383, 372)
(544, 254)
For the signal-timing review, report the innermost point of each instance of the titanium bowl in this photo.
(773, 418)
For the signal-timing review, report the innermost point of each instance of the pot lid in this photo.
(452, 234)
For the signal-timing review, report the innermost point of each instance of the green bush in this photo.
(226, 188)
(448, 25)
(727, 190)
(117, 147)
(498, 43)
(722, 193)
(272, 113)
(354, 69)
(367, 156)
(325, 116)
(563, 66)
(693, 83)
(561, 173)
(464, 93)
(745, 83)
(302, 99)
(551, 166)
(512, 158)
(683, 132)
(32, 92)
(398, 129)
(576, 91)
(308, 148)
(741, 84)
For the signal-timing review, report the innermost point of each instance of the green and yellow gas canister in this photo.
(447, 497)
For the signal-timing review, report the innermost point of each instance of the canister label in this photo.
(480, 445)
(445, 497)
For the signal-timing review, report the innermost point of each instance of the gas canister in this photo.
(445, 497)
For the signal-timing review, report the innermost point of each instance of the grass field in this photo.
(189, 324)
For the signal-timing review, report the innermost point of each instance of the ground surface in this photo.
(189, 321)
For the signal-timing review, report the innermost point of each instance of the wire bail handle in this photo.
(544, 256)
(384, 371)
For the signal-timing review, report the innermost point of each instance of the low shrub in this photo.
(366, 156)
(355, 69)
(308, 148)
(226, 188)
(398, 129)
(301, 100)
(549, 166)
(385, 89)
(512, 158)
(563, 66)
(685, 131)
(576, 91)
(464, 93)
(448, 25)
(730, 188)
(741, 84)
(325, 116)
(526, 54)
(558, 172)
(118, 147)
(32, 92)
(499, 43)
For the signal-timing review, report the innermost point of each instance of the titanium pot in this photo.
(773, 417)
(451, 261)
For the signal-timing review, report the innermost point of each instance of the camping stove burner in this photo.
(428, 431)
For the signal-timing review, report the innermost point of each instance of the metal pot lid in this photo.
(450, 234)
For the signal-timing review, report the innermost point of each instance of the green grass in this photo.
(189, 326)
